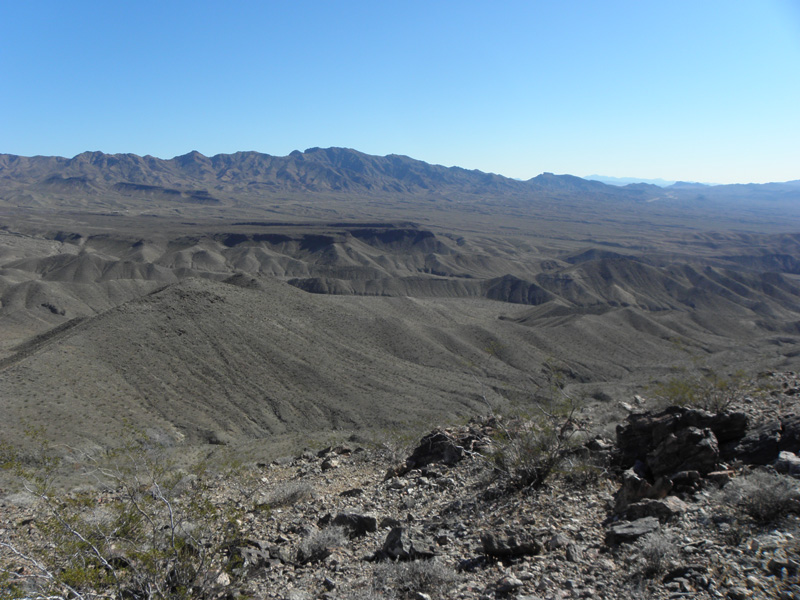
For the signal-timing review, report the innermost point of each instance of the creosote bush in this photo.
(286, 494)
(529, 448)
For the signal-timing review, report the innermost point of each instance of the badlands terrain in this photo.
(254, 301)
(236, 359)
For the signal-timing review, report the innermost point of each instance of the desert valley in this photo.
(257, 307)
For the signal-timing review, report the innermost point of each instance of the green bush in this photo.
(711, 391)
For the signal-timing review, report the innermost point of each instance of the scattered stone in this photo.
(664, 509)
(574, 553)
(508, 584)
(788, 464)
(503, 546)
(630, 531)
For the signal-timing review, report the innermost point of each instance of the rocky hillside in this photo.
(684, 503)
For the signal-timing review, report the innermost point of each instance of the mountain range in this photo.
(195, 178)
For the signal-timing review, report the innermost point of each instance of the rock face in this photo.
(677, 439)
(680, 450)
(682, 440)
(445, 447)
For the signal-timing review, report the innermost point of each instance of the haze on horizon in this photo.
(624, 89)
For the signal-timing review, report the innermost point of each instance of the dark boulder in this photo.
(510, 544)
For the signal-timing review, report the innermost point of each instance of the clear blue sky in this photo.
(699, 90)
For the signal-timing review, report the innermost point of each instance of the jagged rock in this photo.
(687, 449)
(329, 463)
(759, 447)
(788, 463)
(515, 544)
(559, 540)
(438, 447)
(684, 571)
(630, 531)
(664, 509)
(398, 546)
(719, 478)
(574, 553)
(790, 433)
(599, 444)
(635, 488)
(444, 447)
(686, 481)
(642, 432)
(739, 593)
(470, 565)
(356, 525)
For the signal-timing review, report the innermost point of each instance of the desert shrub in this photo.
(585, 470)
(657, 550)
(527, 452)
(319, 544)
(151, 532)
(287, 494)
(412, 577)
(528, 448)
(711, 391)
(764, 496)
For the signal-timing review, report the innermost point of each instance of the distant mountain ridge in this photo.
(628, 180)
(315, 170)
(198, 179)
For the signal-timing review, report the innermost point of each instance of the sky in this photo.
(697, 91)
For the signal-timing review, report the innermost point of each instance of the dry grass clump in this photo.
(287, 494)
(406, 579)
(319, 544)
(764, 496)
(657, 550)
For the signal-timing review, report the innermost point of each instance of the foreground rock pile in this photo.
(677, 507)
